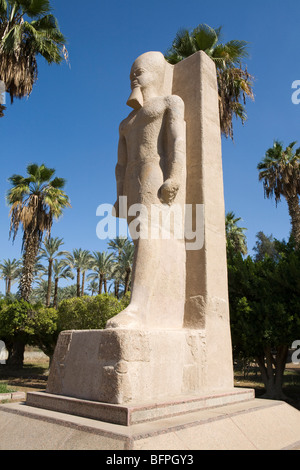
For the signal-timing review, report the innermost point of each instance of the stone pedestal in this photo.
(130, 376)
(132, 366)
(252, 425)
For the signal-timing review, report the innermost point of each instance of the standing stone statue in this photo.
(170, 156)
(151, 174)
(173, 340)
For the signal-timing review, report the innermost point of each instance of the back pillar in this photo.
(206, 307)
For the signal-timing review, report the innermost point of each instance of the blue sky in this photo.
(70, 122)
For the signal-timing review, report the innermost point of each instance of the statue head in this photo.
(147, 78)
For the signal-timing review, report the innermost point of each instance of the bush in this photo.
(22, 323)
(89, 313)
(25, 323)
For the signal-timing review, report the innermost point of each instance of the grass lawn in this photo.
(4, 388)
(291, 386)
(33, 376)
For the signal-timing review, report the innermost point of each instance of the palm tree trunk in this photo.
(105, 285)
(127, 279)
(8, 286)
(78, 282)
(29, 259)
(82, 284)
(294, 211)
(100, 284)
(117, 289)
(48, 298)
(55, 292)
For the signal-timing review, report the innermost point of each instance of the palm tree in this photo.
(27, 30)
(68, 292)
(124, 254)
(35, 201)
(80, 260)
(279, 171)
(50, 252)
(235, 236)
(60, 271)
(118, 245)
(125, 263)
(101, 266)
(86, 264)
(39, 293)
(234, 81)
(93, 287)
(2, 99)
(10, 271)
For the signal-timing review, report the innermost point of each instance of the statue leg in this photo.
(158, 287)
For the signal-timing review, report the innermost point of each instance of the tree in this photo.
(67, 292)
(235, 237)
(124, 265)
(279, 171)
(118, 245)
(24, 323)
(50, 252)
(101, 266)
(35, 201)
(264, 310)
(234, 81)
(10, 271)
(60, 271)
(88, 312)
(39, 292)
(80, 260)
(264, 246)
(93, 287)
(27, 30)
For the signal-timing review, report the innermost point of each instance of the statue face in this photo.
(148, 71)
(147, 78)
(141, 77)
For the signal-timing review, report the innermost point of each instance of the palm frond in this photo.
(235, 84)
(3, 9)
(33, 8)
(21, 41)
(206, 38)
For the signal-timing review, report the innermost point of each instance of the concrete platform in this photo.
(253, 425)
(129, 414)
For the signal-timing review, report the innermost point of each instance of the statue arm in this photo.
(120, 170)
(176, 153)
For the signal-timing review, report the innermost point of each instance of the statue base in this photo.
(137, 413)
(122, 366)
(126, 377)
(253, 425)
(142, 409)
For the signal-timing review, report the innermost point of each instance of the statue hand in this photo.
(168, 191)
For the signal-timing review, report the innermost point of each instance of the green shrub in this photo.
(28, 324)
(37, 325)
(89, 313)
